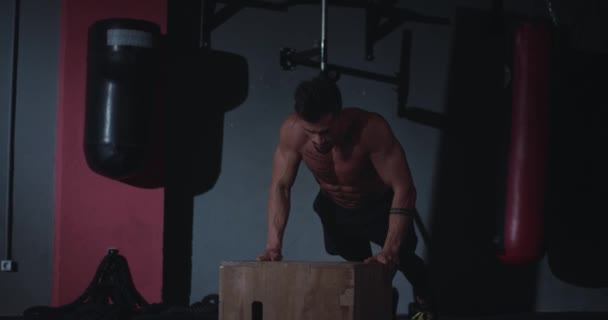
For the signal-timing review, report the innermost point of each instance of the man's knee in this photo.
(351, 254)
(331, 249)
(348, 255)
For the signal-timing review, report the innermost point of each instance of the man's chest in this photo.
(339, 166)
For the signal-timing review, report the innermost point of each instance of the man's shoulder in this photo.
(291, 133)
(368, 120)
(290, 126)
(375, 129)
(365, 115)
(289, 121)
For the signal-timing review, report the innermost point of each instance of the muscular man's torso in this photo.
(346, 174)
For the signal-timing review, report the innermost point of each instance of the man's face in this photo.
(321, 133)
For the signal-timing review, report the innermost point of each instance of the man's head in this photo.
(318, 103)
(316, 98)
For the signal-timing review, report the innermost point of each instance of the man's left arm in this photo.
(390, 162)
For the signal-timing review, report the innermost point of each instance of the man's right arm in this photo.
(285, 164)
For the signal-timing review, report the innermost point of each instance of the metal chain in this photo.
(551, 12)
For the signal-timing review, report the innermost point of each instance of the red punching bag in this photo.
(525, 194)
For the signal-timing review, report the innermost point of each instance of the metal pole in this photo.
(323, 34)
(11, 137)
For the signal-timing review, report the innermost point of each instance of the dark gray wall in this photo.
(34, 149)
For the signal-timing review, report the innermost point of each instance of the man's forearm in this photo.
(397, 226)
(401, 214)
(278, 213)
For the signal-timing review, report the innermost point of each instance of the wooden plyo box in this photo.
(251, 290)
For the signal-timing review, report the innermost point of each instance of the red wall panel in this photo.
(92, 212)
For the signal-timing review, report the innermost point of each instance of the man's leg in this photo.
(411, 265)
(416, 272)
(337, 240)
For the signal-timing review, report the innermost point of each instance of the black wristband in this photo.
(403, 211)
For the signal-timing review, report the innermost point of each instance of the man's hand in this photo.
(270, 255)
(390, 260)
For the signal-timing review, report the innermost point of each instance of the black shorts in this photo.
(348, 232)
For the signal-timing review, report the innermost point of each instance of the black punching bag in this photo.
(122, 96)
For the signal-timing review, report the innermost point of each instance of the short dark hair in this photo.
(317, 97)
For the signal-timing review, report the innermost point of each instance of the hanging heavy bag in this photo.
(122, 96)
(522, 233)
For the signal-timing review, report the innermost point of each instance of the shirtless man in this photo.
(366, 189)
